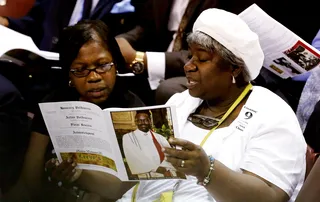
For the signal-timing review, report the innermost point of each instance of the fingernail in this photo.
(53, 160)
(163, 149)
(60, 184)
(49, 179)
(74, 164)
(165, 158)
(69, 160)
(170, 140)
(57, 163)
(74, 170)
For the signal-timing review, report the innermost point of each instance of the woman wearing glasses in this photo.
(89, 58)
(239, 143)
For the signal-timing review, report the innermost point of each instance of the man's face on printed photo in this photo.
(143, 122)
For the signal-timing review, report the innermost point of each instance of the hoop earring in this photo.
(70, 84)
(233, 79)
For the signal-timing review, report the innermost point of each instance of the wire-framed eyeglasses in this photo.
(83, 72)
(203, 121)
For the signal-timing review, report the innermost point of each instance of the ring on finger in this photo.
(182, 164)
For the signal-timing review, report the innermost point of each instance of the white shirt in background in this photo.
(77, 11)
(156, 60)
(120, 7)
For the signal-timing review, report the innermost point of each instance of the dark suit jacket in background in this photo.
(152, 32)
(47, 18)
(14, 135)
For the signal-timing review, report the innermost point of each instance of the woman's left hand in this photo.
(191, 159)
(62, 173)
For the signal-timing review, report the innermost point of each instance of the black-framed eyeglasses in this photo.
(83, 72)
(203, 121)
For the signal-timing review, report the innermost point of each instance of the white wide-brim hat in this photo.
(234, 34)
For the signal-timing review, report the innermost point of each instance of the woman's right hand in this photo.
(62, 173)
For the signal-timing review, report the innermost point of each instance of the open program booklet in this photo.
(126, 142)
(286, 54)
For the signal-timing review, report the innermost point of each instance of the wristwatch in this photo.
(137, 64)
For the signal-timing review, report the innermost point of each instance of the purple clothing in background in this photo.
(316, 41)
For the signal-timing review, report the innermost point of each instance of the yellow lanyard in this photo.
(230, 110)
(167, 196)
(134, 194)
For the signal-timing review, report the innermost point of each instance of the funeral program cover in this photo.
(126, 143)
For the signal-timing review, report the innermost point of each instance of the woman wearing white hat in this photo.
(240, 143)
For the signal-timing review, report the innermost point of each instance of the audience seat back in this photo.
(34, 78)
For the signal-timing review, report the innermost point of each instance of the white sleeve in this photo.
(276, 152)
(156, 68)
(178, 98)
(129, 153)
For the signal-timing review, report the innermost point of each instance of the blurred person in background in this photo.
(47, 18)
(14, 133)
(157, 49)
(316, 41)
(308, 111)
